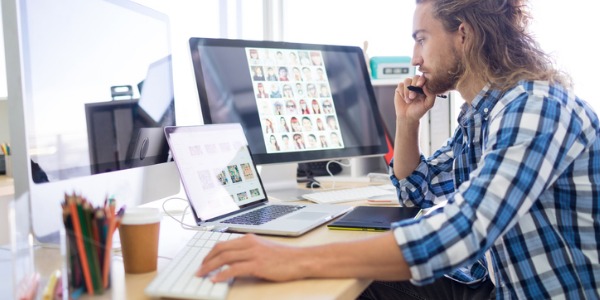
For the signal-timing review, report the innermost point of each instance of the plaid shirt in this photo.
(522, 179)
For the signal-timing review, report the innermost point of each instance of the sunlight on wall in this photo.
(567, 30)
(564, 29)
(386, 24)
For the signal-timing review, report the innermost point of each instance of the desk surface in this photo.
(131, 286)
(173, 238)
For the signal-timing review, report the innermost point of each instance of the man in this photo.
(521, 176)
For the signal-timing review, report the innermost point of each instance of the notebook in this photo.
(221, 182)
(373, 218)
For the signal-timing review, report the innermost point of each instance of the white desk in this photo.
(131, 286)
(173, 238)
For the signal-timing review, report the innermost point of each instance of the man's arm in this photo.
(410, 108)
(375, 258)
(406, 148)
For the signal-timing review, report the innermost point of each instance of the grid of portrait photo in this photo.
(238, 177)
(294, 100)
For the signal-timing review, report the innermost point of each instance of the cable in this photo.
(349, 164)
(183, 214)
(311, 181)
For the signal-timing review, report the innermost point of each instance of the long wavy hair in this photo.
(500, 50)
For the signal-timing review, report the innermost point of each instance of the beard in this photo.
(447, 76)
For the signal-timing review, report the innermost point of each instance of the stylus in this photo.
(419, 90)
(416, 89)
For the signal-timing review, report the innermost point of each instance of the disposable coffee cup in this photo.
(139, 232)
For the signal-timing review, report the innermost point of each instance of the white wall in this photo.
(3, 90)
(4, 135)
(385, 24)
(568, 31)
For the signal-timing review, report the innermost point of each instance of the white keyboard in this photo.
(177, 280)
(351, 194)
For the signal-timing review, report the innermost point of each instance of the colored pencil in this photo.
(94, 264)
(80, 246)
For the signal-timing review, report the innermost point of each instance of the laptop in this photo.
(224, 187)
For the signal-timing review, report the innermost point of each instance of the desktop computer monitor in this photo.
(296, 102)
(63, 58)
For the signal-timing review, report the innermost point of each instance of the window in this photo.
(385, 24)
(563, 29)
(566, 30)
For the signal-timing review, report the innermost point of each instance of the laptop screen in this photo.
(216, 168)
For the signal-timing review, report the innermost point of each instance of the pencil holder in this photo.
(87, 245)
(86, 270)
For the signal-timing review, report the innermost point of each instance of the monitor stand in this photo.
(280, 181)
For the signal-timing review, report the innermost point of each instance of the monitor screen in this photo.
(296, 102)
(90, 58)
(74, 134)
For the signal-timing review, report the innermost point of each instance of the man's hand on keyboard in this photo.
(253, 256)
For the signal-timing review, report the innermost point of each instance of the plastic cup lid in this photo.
(141, 215)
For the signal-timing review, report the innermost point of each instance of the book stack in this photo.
(89, 231)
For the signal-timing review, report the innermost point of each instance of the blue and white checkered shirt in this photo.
(522, 179)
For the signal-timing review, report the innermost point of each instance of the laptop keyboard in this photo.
(263, 215)
(177, 280)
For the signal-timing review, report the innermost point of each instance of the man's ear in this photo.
(463, 31)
